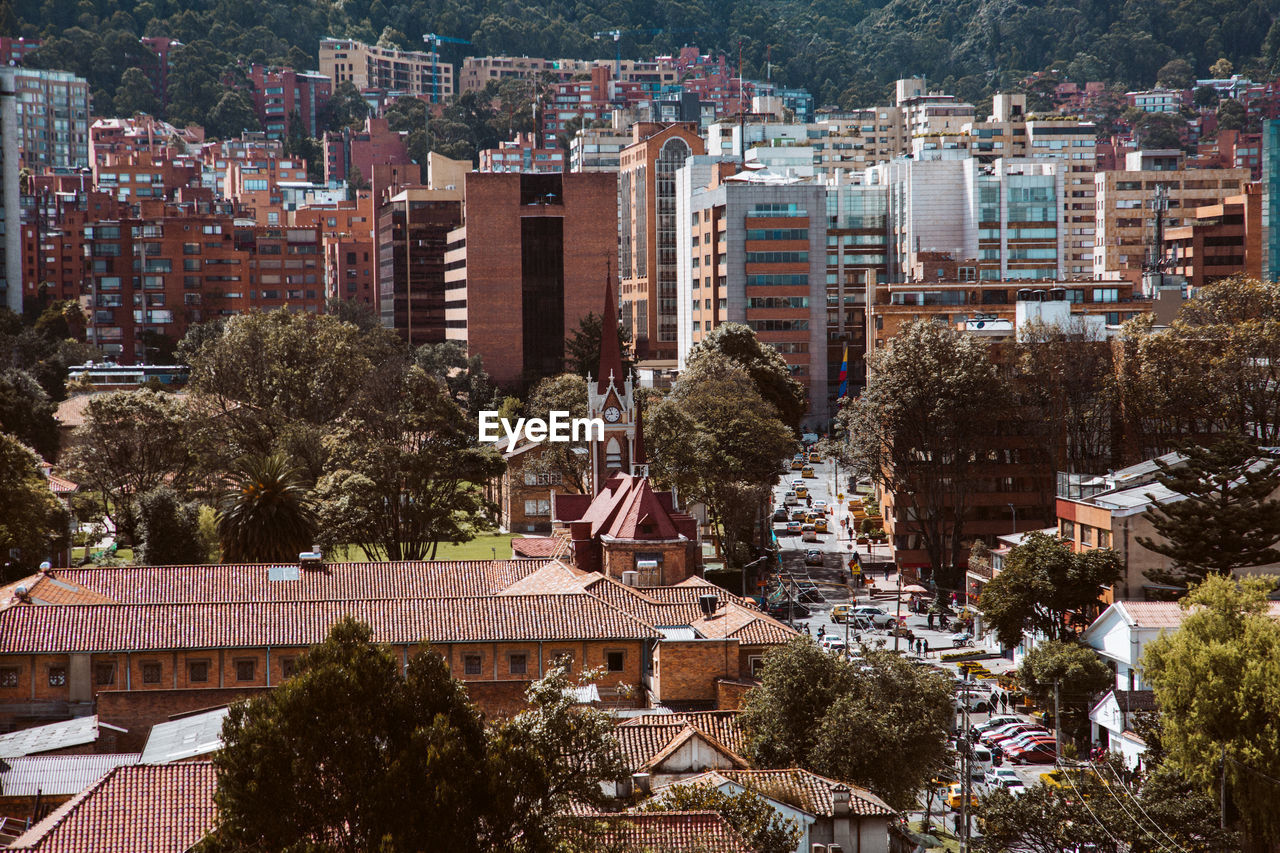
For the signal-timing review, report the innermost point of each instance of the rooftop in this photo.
(670, 832)
(59, 775)
(185, 738)
(69, 733)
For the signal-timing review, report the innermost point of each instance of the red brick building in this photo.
(348, 151)
(1221, 241)
(281, 93)
(531, 259)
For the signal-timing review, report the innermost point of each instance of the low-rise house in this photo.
(826, 811)
(1112, 722)
(33, 785)
(663, 748)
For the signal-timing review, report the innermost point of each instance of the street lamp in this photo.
(744, 573)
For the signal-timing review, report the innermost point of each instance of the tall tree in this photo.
(33, 523)
(1066, 672)
(885, 729)
(130, 443)
(570, 459)
(406, 473)
(919, 428)
(716, 440)
(352, 755)
(464, 375)
(1217, 683)
(1176, 74)
(1227, 518)
(268, 515)
(136, 94)
(582, 348)
(170, 530)
(27, 412)
(1046, 589)
(764, 364)
(232, 115)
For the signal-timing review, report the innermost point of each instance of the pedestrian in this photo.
(930, 620)
(1004, 701)
(953, 599)
(926, 646)
(806, 629)
(886, 573)
(822, 630)
(995, 697)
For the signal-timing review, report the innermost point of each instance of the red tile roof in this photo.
(720, 725)
(641, 515)
(800, 788)
(537, 546)
(46, 589)
(336, 582)
(671, 832)
(163, 808)
(61, 485)
(112, 628)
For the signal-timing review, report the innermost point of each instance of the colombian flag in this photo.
(844, 374)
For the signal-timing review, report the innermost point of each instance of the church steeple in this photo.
(610, 366)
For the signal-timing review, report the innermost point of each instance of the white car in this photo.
(1013, 786)
(998, 776)
(832, 643)
(996, 722)
(819, 505)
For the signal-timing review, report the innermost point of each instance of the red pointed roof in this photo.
(642, 515)
(610, 366)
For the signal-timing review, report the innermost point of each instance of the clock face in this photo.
(612, 414)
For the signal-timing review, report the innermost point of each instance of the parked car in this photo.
(998, 775)
(996, 722)
(1006, 740)
(1007, 730)
(1013, 786)
(1024, 741)
(1041, 754)
(875, 616)
(977, 702)
(955, 796)
(813, 557)
(783, 610)
(832, 643)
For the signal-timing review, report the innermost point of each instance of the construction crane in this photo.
(617, 35)
(435, 40)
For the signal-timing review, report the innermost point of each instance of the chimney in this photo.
(631, 578)
(840, 801)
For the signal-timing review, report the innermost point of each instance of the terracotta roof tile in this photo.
(61, 485)
(336, 582)
(644, 737)
(806, 790)
(537, 546)
(164, 808)
(641, 515)
(671, 832)
(109, 628)
(45, 589)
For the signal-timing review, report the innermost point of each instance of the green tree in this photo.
(26, 412)
(1217, 683)
(195, 84)
(406, 473)
(764, 364)
(1073, 670)
(1176, 74)
(918, 429)
(347, 108)
(1221, 69)
(1231, 115)
(1227, 519)
(1046, 589)
(130, 443)
(170, 530)
(1205, 97)
(232, 115)
(750, 814)
(267, 515)
(885, 730)
(582, 348)
(352, 755)
(720, 443)
(33, 523)
(570, 459)
(136, 94)
(1159, 130)
(469, 384)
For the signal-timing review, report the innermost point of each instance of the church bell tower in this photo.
(610, 397)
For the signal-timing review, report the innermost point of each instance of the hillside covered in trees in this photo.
(845, 51)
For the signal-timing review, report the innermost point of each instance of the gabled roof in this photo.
(801, 789)
(58, 775)
(670, 832)
(74, 732)
(540, 547)
(163, 808)
(335, 582)
(44, 589)
(156, 627)
(644, 737)
(684, 736)
(641, 515)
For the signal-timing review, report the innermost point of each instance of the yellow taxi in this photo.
(802, 492)
(799, 515)
(796, 464)
(815, 458)
(841, 612)
(807, 472)
(821, 524)
(955, 796)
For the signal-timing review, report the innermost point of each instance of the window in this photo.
(151, 672)
(471, 664)
(1104, 538)
(1068, 529)
(518, 664)
(1086, 535)
(756, 664)
(57, 676)
(565, 659)
(288, 667)
(537, 507)
(198, 671)
(1106, 294)
(545, 478)
(104, 674)
(614, 660)
(246, 670)
(9, 676)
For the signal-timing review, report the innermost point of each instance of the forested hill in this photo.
(844, 51)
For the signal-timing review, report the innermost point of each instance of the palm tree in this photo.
(268, 515)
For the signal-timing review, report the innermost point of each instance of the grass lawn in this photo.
(480, 548)
(124, 554)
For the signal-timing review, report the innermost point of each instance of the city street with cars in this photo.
(848, 605)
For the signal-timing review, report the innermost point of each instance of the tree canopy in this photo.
(32, 521)
(764, 364)
(1046, 589)
(884, 730)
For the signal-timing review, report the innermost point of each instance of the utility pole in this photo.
(1222, 793)
(965, 782)
(1057, 722)
(897, 625)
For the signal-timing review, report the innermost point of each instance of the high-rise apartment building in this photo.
(647, 217)
(1125, 231)
(11, 245)
(52, 120)
(753, 250)
(368, 66)
(413, 232)
(1271, 200)
(530, 261)
(1221, 240)
(280, 94)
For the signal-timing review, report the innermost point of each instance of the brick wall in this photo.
(688, 671)
(729, 693)
(138, 711)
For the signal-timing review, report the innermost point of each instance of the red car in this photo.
(1026, 741)
(1006, 733)
(1042, 754)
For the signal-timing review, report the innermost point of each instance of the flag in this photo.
(844, 374)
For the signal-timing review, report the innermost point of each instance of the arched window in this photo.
(613, 455)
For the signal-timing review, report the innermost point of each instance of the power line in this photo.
(1137, 802)
(1128, 814)
(1067, 774)
(1270, 779)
